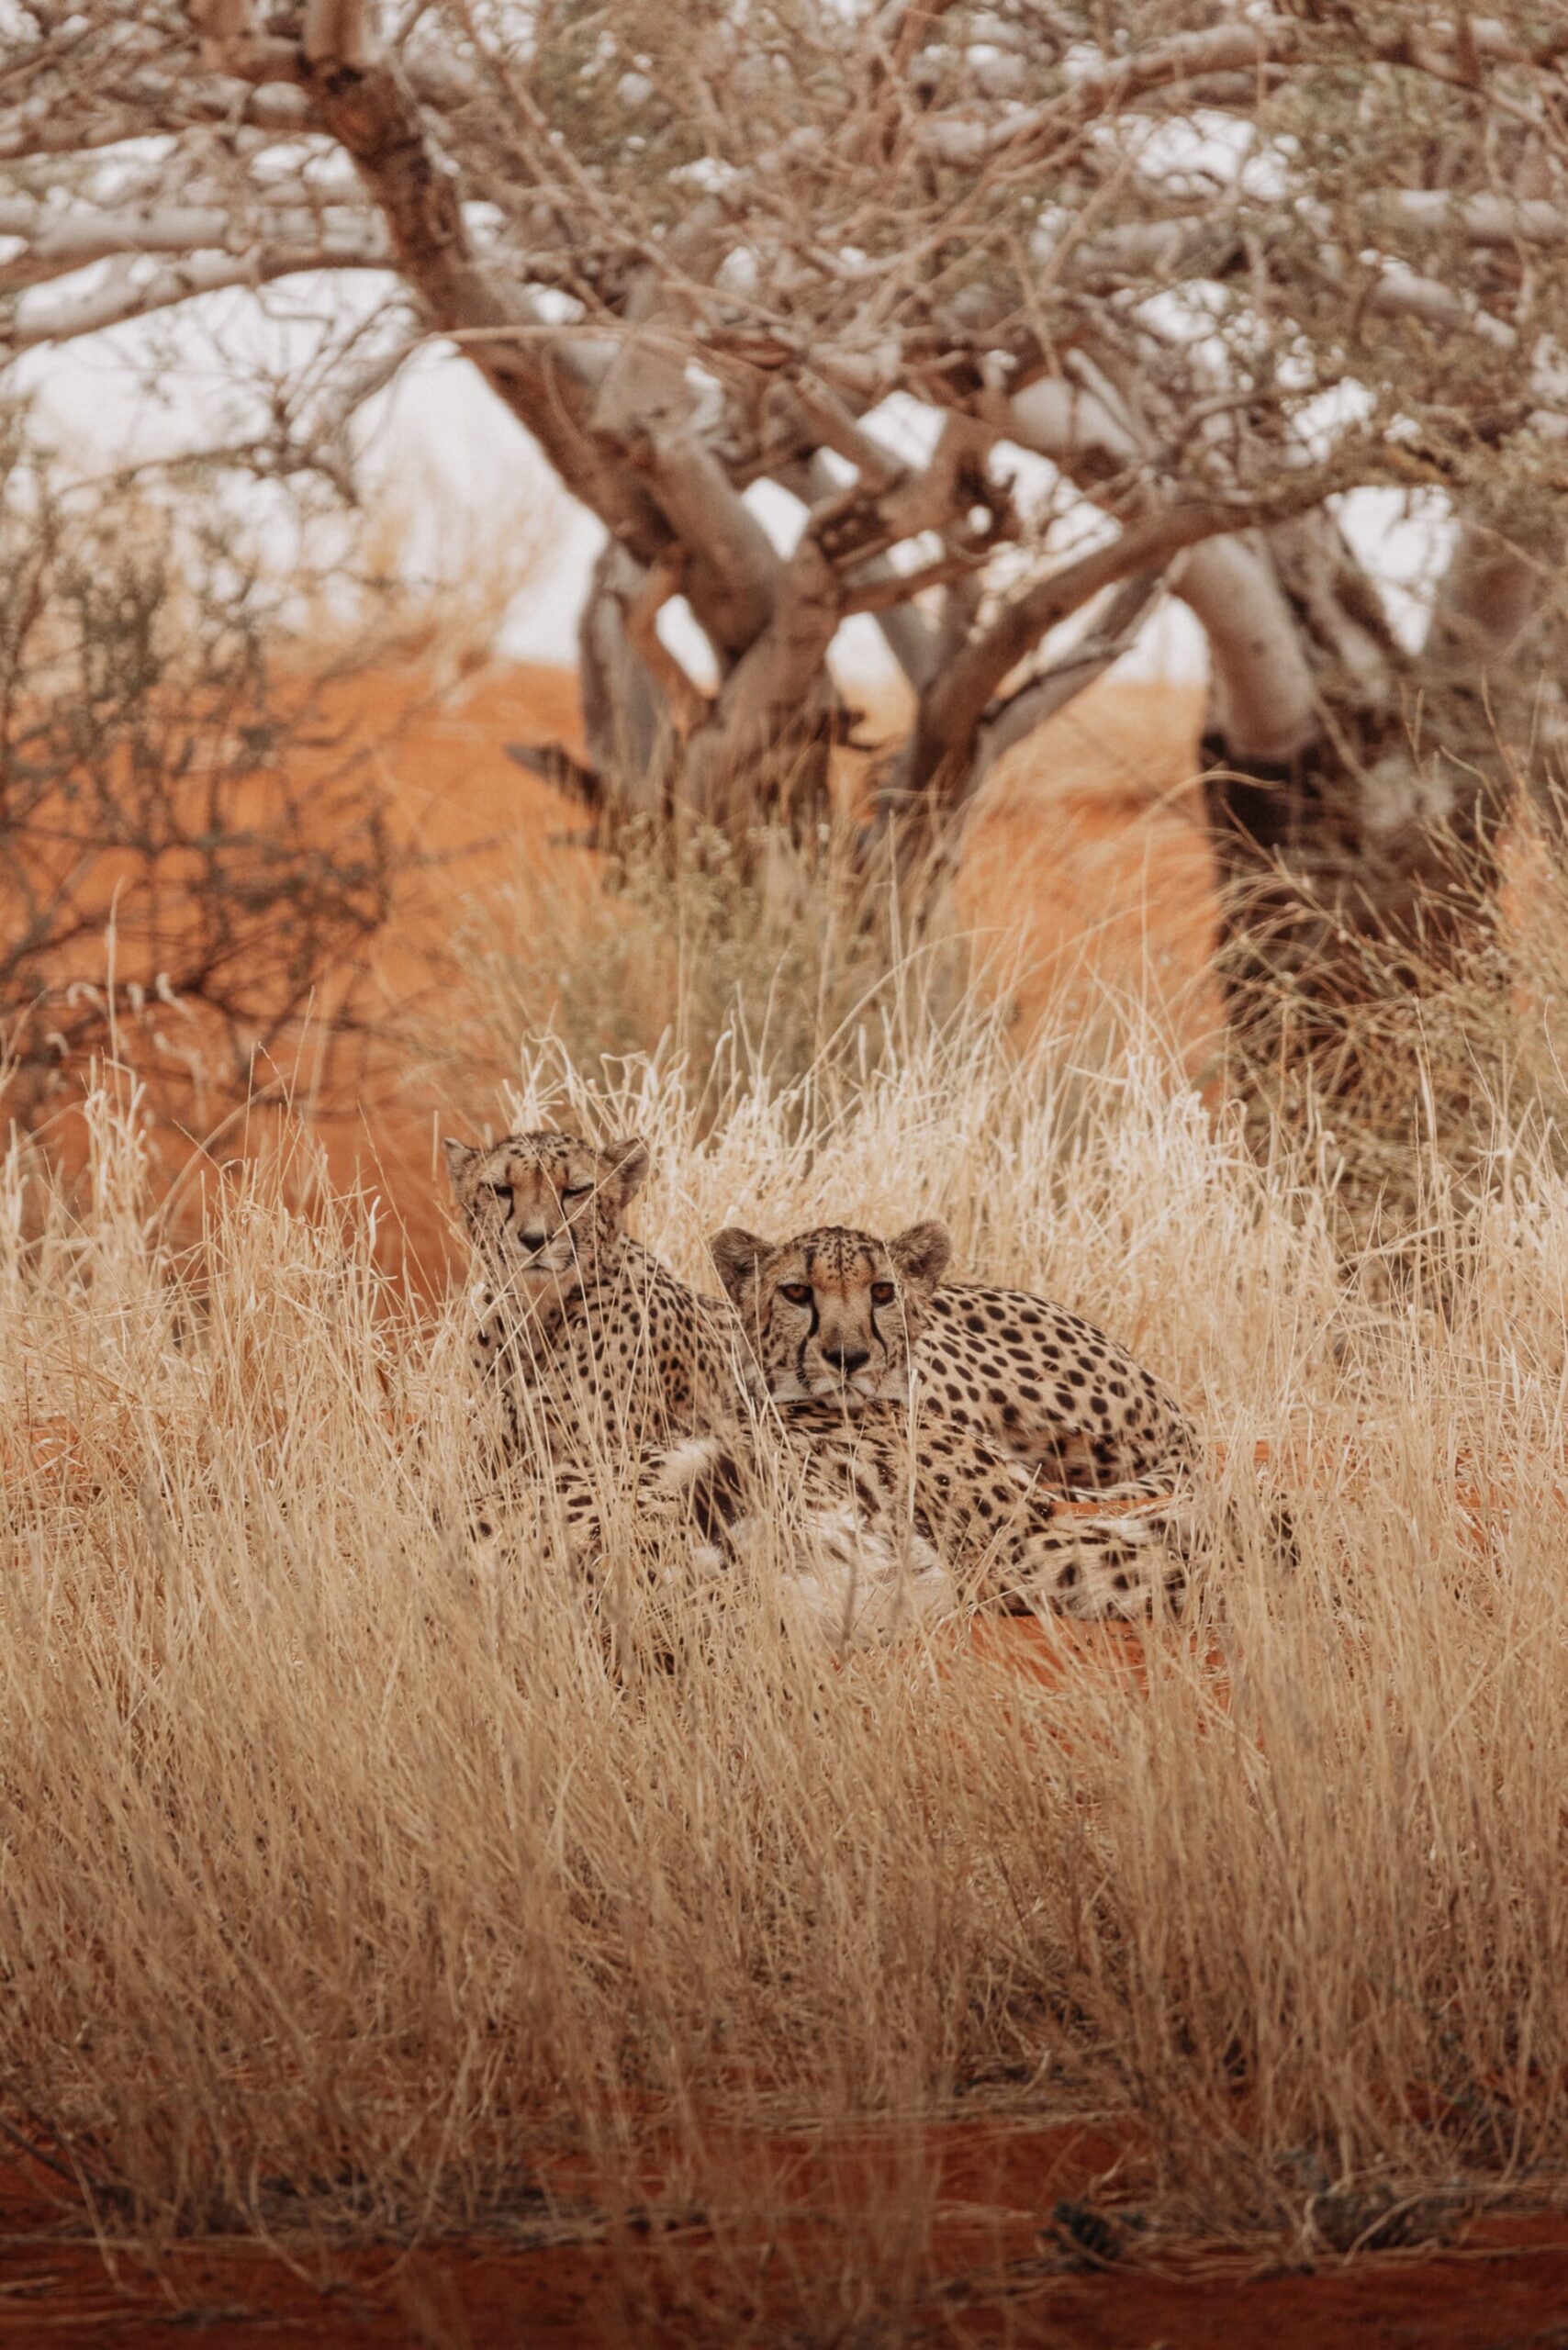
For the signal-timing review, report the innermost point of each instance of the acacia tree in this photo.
(1216, 263)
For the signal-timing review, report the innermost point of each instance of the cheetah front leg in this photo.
(670, 1507)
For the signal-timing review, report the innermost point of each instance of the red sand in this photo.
(1499, 2282)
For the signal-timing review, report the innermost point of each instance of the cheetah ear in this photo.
(626, 1166)
(923, 1253)
(737, 1253)
(459, 1159)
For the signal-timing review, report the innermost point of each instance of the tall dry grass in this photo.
(744, 964)
(352, 1881)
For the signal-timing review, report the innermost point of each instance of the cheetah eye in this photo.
(798, 1293)
(498, 1191)
(882, 1292)
(576, 1191)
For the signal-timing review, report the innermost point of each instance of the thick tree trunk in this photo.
(1356, 830)
(739, 775)
(763, 751)
(627, 721)
(757, 754)
(1356, 793)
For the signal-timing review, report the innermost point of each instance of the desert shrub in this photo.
(191, 844)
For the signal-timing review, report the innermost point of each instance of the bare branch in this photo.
(1265, 699)
(61, 125)
(689, 705)
(970, 140)
(1260, 667)
(1477, 219)
(375, 117)
(1400, 293)
(889, 589)
(132, 291)
(956, 704)
(646, 406)
(59, 238)
(1206, 246)
(905, 630)
(1044, 695)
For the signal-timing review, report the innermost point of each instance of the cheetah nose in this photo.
(533, 1241)
(848, 1360)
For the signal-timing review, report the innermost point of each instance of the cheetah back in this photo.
(1049, 1387)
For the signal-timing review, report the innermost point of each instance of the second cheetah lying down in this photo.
(874, 1526)
(839, 1313)
(833, 1320)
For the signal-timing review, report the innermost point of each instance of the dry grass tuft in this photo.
(1397, 1062)
(349, 1879)
(746, 965)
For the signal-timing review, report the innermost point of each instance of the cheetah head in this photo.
(833, 1313)
(546, 1209)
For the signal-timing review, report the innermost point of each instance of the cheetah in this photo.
(834, 1321)
(593, 1353)
(1041, 1382)
(582, 1338)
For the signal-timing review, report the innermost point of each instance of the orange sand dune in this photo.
(1084, 854)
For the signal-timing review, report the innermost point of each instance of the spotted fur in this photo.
(835, 1320)
(582, 1339)
(837, 1310)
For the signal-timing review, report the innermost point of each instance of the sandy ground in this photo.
(1003, 2278)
